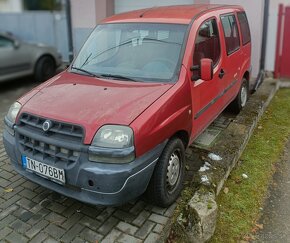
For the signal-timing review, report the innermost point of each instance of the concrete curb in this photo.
(199, 221)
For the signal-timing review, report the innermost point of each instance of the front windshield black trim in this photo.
(182, 52)
(176, 73)
(84, 71)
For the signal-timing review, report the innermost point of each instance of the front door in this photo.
(206, 100)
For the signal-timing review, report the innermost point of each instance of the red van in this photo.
(145, 84)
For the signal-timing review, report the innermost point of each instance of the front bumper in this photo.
(113, 184)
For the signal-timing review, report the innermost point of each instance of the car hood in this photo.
(92, 102)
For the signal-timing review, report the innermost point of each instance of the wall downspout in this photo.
(69, 29)
(261, 74)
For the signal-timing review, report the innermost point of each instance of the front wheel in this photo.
(44, 69)
(167, 179)
(241, 99)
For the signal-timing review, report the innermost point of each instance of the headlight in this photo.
(112, 136)
(13, 112)
(113, 144)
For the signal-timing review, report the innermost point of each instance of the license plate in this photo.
(43, 169)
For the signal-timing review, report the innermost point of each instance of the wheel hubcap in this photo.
(173, 169)
(244, 96)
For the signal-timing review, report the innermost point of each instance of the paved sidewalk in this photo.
(31, 213)
(276, 214)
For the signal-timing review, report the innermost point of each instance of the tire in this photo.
(241, 99)
(44, 69)
(167, 180)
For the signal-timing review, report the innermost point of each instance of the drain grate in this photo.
(207, 137)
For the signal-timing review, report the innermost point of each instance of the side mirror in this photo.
(204, 69)
(16, 44)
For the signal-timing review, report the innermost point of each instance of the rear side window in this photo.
(246, 35)
(4, 42)
(207, 43)
(231, 33)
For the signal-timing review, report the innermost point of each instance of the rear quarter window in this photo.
(231, 33)
(244, 24)
(4, 42)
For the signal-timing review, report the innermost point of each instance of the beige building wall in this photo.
(128, 5)
(11, 6)
(85, 16)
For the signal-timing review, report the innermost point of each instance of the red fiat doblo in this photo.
(145, 84)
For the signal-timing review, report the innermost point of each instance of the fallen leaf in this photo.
(226, 190)
(260, 127)
(237, 180)
(248, 238)
(260, 226)
(254, 230)
(8, 190)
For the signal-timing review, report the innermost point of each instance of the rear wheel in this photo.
(44, 69)
(167, 179)
(241, 99)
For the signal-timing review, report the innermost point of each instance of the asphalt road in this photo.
(276, 212)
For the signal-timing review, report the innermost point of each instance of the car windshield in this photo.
(145, 52)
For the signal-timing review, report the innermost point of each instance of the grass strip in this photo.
(240, 207)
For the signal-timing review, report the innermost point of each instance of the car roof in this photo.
(182, 14)
(7, 35)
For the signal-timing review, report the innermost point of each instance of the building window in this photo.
(48, 5)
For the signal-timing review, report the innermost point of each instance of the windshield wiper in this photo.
(113, 76)
(85, 71)
(104, 51)
(161, 41)
(117, 76)
(87, 59)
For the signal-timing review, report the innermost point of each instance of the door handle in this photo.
(222, 73)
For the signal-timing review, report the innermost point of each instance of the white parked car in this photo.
(18, 59)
